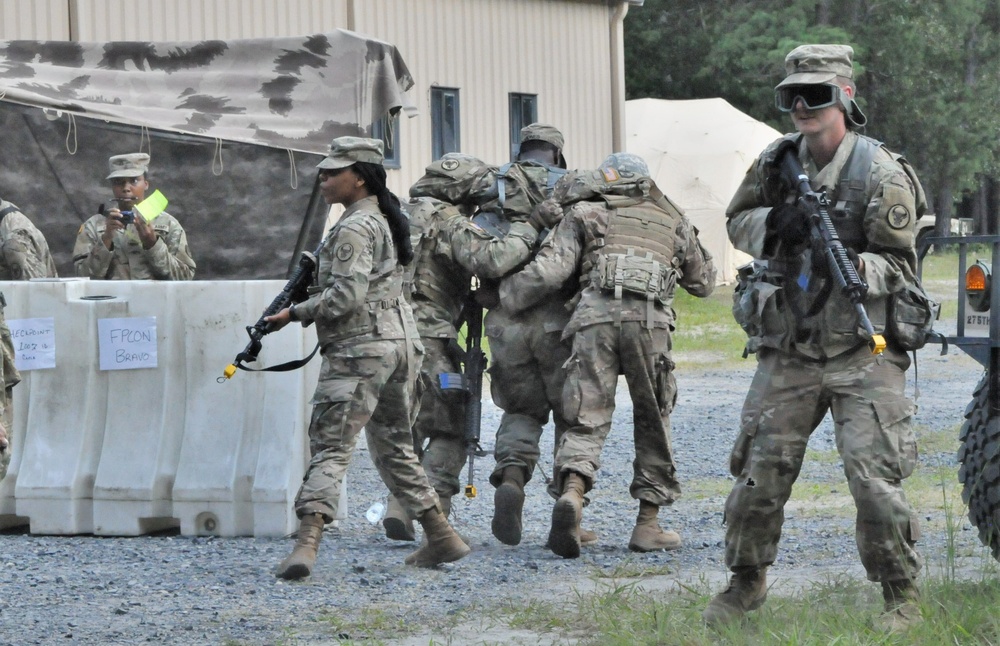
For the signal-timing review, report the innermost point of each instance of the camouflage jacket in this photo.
(168, 259)
(563, 254)
(883, 237)
(24, 253)
(448, 251)
(358, 292)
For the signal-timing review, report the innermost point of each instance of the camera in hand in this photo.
(128, 217)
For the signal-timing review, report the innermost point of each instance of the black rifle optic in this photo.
(842, 270)
(294, 291)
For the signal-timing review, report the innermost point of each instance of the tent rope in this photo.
(217, 157)
(293, 169)
(71, 131)
(144, 136)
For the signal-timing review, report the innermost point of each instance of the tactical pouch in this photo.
(910, 317)
(755, 305)
(639, 275)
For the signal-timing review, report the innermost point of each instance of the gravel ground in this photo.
(185, 590)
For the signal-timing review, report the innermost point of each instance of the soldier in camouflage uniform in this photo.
(109, 248)
(629, 247)
(10, 377)
(24, 253)
(812, 356)
(528, 352)
(448, 251)
(371, 358)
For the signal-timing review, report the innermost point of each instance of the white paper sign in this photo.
(128, 343)
(34, 343)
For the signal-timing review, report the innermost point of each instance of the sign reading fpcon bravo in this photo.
(127, 343)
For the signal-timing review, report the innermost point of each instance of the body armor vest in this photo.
(426, 276)
(636, 254)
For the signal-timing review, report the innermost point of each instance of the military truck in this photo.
(978, 334)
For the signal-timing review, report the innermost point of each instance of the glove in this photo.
(789, 224)
(545, 215)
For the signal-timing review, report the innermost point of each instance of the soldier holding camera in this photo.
(115, 244)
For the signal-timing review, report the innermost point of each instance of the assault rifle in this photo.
(470, 382)
(294, 291)
(838, 262)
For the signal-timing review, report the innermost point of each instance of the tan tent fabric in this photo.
(698, 152)
(296, 93)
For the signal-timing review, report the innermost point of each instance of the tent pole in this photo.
(306, 227)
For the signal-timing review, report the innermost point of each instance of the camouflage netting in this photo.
(229, 125)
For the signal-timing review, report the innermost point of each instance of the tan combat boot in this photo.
(747, 591)
(564, 536)
(299, 563)
(442, 544)
(397, 523)
(647, 536)
(508, 503)
(902, 608)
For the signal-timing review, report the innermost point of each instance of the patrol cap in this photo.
(543, 132)
(345, 151)
(626, 163)
(130, 165)
(812, 64)
(547, 133)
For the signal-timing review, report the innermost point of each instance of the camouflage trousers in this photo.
(440, 425)
(600, 353)
(526, 381)
(368, 384)
(788, 398)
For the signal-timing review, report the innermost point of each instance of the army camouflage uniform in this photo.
(24, 252)
(619, 332)
(809, 365)
(11, 377)
(448, 251)
(168, 259)
(528, 350)
(371, 358)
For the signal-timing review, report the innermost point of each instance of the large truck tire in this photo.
(979, 470)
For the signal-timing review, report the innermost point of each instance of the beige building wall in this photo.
(567, 52)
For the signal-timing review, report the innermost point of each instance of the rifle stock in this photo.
(841, 269)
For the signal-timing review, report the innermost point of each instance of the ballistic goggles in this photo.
(814, 96)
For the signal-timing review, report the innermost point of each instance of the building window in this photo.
(523, 112)
(387, 129)
(445, 123)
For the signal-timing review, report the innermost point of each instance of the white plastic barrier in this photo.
(126, 452)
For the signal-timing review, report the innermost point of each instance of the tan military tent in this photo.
(698, 152)
(231, 126)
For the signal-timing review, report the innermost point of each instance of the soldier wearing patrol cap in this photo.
(371, 358)
(811, 357)
(121, 244)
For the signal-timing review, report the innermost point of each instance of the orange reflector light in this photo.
(975, 279)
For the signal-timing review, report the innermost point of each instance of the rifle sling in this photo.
(283, 367)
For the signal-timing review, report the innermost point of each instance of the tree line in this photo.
(928, 76)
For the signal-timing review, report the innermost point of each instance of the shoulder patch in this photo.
(899, 217)
(449, 164)
(345, 252)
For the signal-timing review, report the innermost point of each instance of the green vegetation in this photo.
(706, 332)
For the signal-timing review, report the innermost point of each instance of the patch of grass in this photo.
(838, 610)
(369, 626)
(706, 331)
(632, 569)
